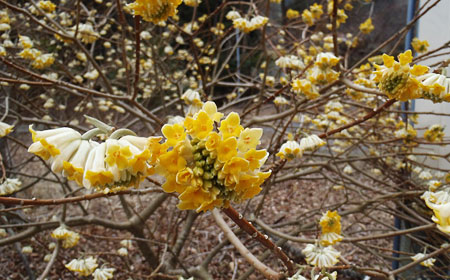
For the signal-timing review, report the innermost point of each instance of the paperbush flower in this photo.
(435, 133)
(84, 267)
(397, 79)
(110, 166)
(311, 142)
(155, 10)
(420, 46)
(435, 87)
(427, 263)
(321, 256)
(10, 186)
(305, 87)
(247, 26)
(291, 14)
(331, 228)
(211, 168)
(103, 273)
(367, 26)
(290, 150)
(439, 202)
(47, 6)
(5, 129)
(69, 238)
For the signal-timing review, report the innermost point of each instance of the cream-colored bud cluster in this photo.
(113, 165)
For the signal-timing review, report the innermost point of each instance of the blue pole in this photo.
(409, 36)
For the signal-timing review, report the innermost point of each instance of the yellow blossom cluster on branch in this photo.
(211, 168)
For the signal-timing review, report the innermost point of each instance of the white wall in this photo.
(435, 28)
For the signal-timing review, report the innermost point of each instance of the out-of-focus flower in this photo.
(10, 186)
(311, 142)
(291, 14)
(92, 75)
(296, 276)
(47, 6)
(305, 87)
(5, 129)
(316, 10)
(43, 61)
(192, 98)
(407, 134)
(4, 17)
(126, 243)
(247, 26)
(280, 100)
(326, 276)
(192, 3)
(122, 252)
(86, 33)
(439, 202)
(155, 10)
(330, 223)
(30, 53)
(427, 263)
(367, 26)
(209, 168)
(321, 256)
(25, 42)
(435, 133)
(397, 79)
(3, 233)
(103, 273)
(69, 238)
(307, 17)
(232, 15)
(348, 169)
(435, 87)
(290, 150)
(84, 267)
(420, 46)
(27, 249)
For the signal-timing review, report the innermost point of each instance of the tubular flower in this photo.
(155, 10)
(43, 61)
(69, 238)
(291, 14)
(192, 98)
(367, 26)
(397, 79)
(247, 26)
(311, 142)
(103, 273)
(321, 256)
(10, 186)
(435, 133)
(420, 46)
(439, 202)
(47, 6)
(5, 129)
(331, 228)
(305, 87)
(435, 87)
(307, 17)
(290, 150)
(211, 168)
(427, 263)
(192, 3)
(84, 267)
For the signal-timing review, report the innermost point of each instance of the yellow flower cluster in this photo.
(247, 26)
(69, 238)
(420, 46)
(291, 14)
(397, 79)
(439, 202)
(155, 10)
(40, 61)
(109, 166)
(435, 87)
(5, 129)
(192, 3)
(211, 168)
(331, 228)
(84, 267)
(311, 15)
(322, 71)
(47, 6)
(435, 133)
(367, 26)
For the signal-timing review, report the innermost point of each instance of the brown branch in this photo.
(263, 239)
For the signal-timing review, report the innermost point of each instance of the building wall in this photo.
(435, 28)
